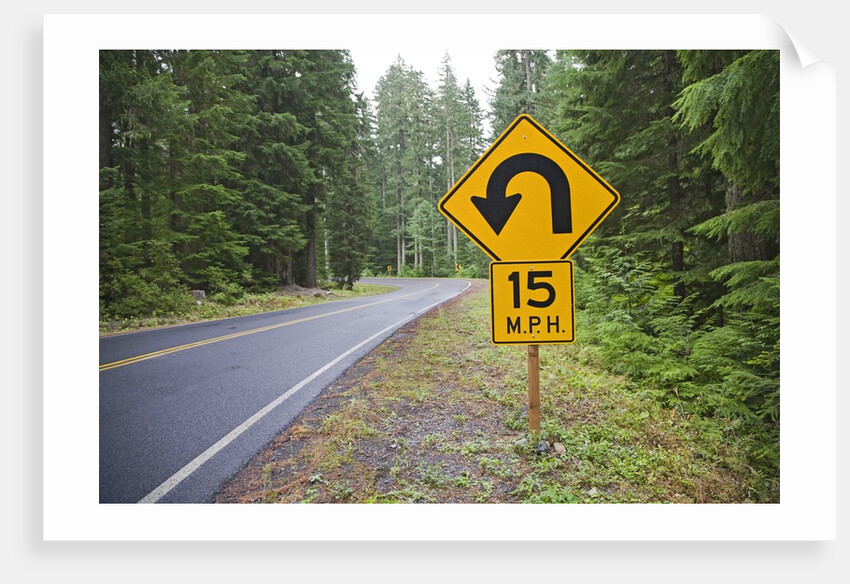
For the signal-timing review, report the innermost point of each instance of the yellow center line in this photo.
(146, 356)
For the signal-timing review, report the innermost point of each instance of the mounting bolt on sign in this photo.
(529, 202)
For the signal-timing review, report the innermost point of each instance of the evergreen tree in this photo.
(143, 114)
(740, 100)
(402, 129)
(470, 136)
(350, 208)
(275, 171)
(615, 109)
(521, 78)
(206, 160)
(382, 244)
(325, 81)
(470, 125)
(732, 102)
(449, 115)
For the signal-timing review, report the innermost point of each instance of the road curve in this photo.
(183, 408)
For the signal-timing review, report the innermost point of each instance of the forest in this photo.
(242, 171)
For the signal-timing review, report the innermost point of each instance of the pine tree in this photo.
(321, 100)
(349, 210)
(275, 171)
(470, 136)
(732, 102)
(207, 161)
(143, 114)
(403, 100)
(614, 108)
(521, 78)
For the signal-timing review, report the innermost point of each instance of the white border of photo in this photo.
(807, 510)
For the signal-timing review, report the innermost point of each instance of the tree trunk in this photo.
(399, 243)
(105, 132)
(310, 274)
(454, 244)
(451, 230)
(529, 86)
(744, 246)
(674, 190)
(327, 247)
(403, 243)
(288, 274)
(674, 187)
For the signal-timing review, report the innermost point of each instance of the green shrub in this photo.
(134, 297)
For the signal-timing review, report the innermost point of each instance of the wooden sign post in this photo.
(534, 388)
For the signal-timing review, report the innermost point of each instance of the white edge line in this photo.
(178, 477)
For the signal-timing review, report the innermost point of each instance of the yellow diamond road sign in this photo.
(528, 197)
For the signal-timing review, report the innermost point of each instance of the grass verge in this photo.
(437, 414)
(290, 297)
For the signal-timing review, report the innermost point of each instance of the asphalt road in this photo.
(183, 408)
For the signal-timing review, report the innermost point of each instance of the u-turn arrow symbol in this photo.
(497, 207)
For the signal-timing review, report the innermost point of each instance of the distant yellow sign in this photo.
(528, 197)
(532, 302)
